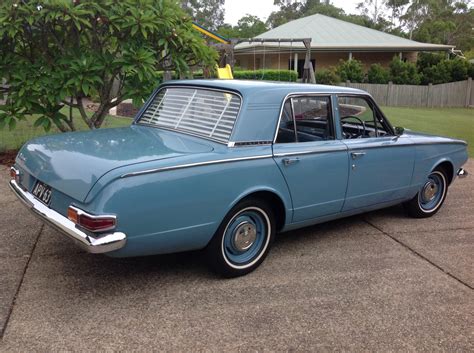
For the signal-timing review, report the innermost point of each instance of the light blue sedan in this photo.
(225, 165)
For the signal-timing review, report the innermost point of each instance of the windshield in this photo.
(198, 111)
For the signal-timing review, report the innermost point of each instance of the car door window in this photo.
(309, 116)
(359, 119)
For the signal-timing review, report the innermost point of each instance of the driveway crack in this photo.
(413, 251)
(10, 311)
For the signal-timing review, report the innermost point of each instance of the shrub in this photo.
(470, 70)
(403, 73)
(327, 77)
(458, 69)
(447, 71)
(351, 70)
(435, 74)
(378, 74)
(269, 75)
(428, 59)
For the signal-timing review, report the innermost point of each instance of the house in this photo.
(331, 40)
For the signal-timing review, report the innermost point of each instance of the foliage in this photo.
(55, 53)
(447, 71)
(441, 22)
(269, 75)
(425, 60)
(208, 13)
(403, 73)
(350, 70)
(327, 77)
(378, 74)
(248, 26)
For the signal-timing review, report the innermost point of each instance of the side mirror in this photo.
(399, 130)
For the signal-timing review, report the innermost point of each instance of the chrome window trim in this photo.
(374, 105)
(296, 94)
(164, 86)
(197, 164)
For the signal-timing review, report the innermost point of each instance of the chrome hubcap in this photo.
(245, 236)
(429, 191)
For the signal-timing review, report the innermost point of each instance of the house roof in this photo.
(331, 34)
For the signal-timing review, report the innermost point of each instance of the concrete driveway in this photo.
(379, 281)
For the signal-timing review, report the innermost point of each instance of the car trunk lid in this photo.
(73, 162)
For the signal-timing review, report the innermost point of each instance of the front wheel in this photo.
(243, 239)
(431, 196)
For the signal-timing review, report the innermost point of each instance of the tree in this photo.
(55, 54)
(441, 22)
(372, 9)
(289, 11)
(208, 13)
(250, 26)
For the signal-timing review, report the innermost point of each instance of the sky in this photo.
(236, 9)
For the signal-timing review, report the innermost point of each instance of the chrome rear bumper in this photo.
(104, 243)
(462, 173)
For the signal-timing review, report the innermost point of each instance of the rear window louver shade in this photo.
(202, 112)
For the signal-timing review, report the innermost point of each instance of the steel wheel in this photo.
(246, 237)
(243, 239)
(432, 193)
(430, 197)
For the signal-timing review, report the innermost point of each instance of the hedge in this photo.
(269, 75)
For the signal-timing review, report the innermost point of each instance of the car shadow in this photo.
(193, 265)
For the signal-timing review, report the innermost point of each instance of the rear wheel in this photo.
(243, 239)
(431, 196)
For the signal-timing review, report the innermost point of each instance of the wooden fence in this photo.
(453, 94)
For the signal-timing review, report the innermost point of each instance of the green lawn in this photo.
(25, 130)
(452, 122)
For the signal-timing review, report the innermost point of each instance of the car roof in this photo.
(248, 87)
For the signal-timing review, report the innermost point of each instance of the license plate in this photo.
(42, 192)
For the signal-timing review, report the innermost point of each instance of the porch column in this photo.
(295, 62)
(350, 55)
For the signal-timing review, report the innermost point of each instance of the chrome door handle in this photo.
(288, 161)
(356, 155)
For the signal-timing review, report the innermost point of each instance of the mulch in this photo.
(8, 157)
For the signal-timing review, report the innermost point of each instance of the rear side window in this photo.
(198, 111)
(305, 119)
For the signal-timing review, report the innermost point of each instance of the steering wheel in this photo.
(358, 126)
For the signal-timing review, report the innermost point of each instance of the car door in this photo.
(313, 162)
(381, 164)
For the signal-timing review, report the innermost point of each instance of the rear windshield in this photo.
(198, 111)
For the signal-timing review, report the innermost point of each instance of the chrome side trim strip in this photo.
(297, 153)
(353, 148)
(105, 243)
(197, 164)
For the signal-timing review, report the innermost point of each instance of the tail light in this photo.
(15, 174)
(90, 222)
